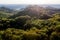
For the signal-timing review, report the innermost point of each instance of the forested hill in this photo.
(5, 9)
(6, 12)
(33, 22)
(37, 11)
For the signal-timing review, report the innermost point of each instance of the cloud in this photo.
(29, 1)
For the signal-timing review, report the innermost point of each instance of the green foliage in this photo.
(27, 28)
(55, 36)
(32, 23)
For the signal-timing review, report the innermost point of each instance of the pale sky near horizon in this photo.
(29, 1)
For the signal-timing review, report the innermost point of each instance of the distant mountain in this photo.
(5, 9)
(37, 11)
(19, 6)
(6, 12)
(52, 5)
(13, 6)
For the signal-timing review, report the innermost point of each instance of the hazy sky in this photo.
(29, 1)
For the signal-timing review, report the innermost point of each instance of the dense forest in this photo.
(31, 23)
